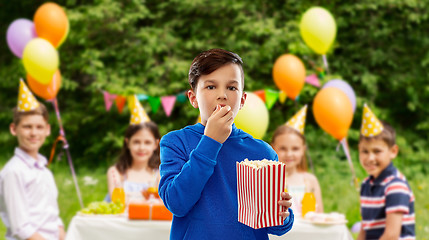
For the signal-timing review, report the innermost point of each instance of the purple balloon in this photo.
(356, 227)
(345, 87)
(19, 33)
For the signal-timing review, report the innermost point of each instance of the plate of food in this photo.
(325, 218)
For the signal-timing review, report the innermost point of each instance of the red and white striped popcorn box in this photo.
(258, 193)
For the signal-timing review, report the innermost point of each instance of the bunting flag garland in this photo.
(313, 80)
(168, 104)
(154, 103)
(120, 102)
(108, 99)
(282, 97)
(271, 97)
(261, 94)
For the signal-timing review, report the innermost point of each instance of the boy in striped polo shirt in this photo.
(386, 199)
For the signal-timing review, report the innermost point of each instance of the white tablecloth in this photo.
(99, 227)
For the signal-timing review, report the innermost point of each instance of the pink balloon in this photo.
(19, 33)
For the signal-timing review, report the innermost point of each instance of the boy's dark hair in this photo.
(211, 60)
(388, 135)
(284, 129)
(40, 110)
(125, 159)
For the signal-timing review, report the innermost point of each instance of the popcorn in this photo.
(259, 185)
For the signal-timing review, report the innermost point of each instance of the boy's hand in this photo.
(219, 124)
(285, 202)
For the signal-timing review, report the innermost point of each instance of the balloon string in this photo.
(345, 146)
(325, 62)
(66, 147)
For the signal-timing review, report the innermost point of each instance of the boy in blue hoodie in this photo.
(198, 163)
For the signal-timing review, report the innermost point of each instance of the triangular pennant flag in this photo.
(130, 102)
(371, 126)
(26, 99)
(260, 94)
(313, 80)
(154, 103)
(181, 97)
(138, 114)
(298, 120)
(282, 97)
(120, 102)
(108, 99)
(168, 104)
(271, 97)
(142, 97)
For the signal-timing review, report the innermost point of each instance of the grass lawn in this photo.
(338, 193)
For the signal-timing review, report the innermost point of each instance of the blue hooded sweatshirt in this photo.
(199, 186)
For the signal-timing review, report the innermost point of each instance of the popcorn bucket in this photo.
(258, 192)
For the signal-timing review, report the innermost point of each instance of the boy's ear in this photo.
(12, 129)
(192, 98)
(243, 99)
(394, 151)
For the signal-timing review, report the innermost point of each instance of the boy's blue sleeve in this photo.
(184, 177)
(282, 229)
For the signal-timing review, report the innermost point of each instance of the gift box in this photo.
(148, 211)
(259, 185)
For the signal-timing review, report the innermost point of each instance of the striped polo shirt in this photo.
(388, 193)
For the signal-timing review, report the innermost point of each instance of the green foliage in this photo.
(131, 46)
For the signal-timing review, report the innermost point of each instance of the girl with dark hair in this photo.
(137, 167)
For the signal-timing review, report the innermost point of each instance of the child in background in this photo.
(386, 199)
(137, 168)
(198, 163)
(28, 194)
(289, 142)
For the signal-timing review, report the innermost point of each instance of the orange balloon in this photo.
(333, 111)
(45, 91)
(51, 23)
(289, 74)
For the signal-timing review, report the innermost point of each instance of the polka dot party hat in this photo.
(26, 99)
(298, 120)
(371, 126)
(138, 114)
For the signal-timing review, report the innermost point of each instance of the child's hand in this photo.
(285, 202)
(219, 124)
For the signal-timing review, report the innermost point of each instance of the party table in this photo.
(119, 227)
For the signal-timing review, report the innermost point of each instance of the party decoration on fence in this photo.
(138, 114)
(120, 102)
(40, 60)
(318, 29)
(333, 112)
(345, 87)
(154, 103)
(371, 126)
(46, 91)
(253, 116)
(289, 75)
(282, 97)
(19, 33)
(51, 23)
(297, 122)
(26, 100)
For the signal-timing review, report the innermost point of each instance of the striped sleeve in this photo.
(398, 197)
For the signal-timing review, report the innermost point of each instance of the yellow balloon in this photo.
(40, 60)
(253, 116)
(318, 29)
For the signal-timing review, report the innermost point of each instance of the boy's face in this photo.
(31, 133)
(223, 86)
(375, 155)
